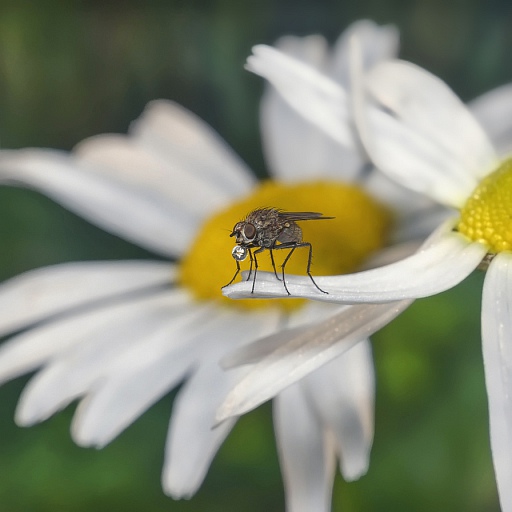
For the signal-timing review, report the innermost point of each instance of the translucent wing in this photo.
(299, 216)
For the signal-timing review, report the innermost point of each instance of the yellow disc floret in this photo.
(487, 215)
(340, 245)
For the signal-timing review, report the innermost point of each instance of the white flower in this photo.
(119, 335)
(422, 136)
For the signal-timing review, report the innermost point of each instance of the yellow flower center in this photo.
(487, 215)
(340, 245)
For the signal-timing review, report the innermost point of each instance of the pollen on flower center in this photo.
(487, 215)
(340, 245)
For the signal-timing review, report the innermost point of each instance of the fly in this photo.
(272, 229)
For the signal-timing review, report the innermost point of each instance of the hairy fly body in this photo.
(272, 229)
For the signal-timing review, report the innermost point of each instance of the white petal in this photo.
(378, 43)
(168, 178)
(154, 188)
(425, 137)
(192, 442)
(493, 111)
(147, 218)
(312, 49)
(420, 223)
(259, 348)
(304, 95)
(49, 291)
(408, 158)
(435, 268)
(37, 346)
(294, 148)
(306, 456)
(416, 216)
(497, 352)
(416, 162)
(342, 392)
(427, 105)
(303, 350)
(84, 349)
(183, 140)
(318, 98)
(141, 376)
(392, 254)
(297, 150)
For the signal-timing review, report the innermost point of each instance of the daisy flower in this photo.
(118, 335)
(421, 135)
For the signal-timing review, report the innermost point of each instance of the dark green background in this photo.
(73, 69)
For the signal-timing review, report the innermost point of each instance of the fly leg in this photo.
(310, 257)
(261, 249)
(293, 246)
(286, 245)
(273, 263)
(250, 268)
(236, 273)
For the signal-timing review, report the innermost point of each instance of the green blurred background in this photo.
(73, 69)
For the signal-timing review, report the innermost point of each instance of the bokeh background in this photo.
(71, 69)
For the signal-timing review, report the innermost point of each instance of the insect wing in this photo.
(300, 216)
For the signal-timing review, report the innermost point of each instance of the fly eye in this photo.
(249, 232)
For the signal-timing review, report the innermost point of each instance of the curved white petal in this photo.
(295, 149)
(317, 97)
(141, 376)
(415, 162)
(342, 392)
(435, 268)
(427, 105)
(306, 454)
(45, 292)
(497, 352)
(422, 135)
(184, 141)
(303, 350)
(141, 216)
(294, 146)
(377, 42)
(192, 442)
(82, 349)
(493, 110)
